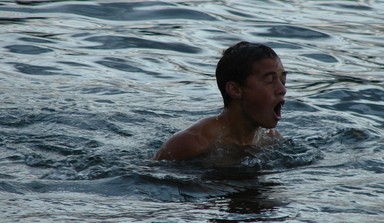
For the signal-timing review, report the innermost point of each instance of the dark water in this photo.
(89, 91)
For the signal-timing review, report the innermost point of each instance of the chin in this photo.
(270, 126)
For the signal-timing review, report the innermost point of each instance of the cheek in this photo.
(257, 94)
(256, 100)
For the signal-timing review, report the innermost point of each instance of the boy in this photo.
(251, 79)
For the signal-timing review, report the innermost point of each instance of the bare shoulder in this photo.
(190, 142)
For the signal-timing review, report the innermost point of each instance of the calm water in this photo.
(89, 91)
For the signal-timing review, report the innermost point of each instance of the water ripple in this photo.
(27, 49)
(122, 11)
(294, 32)
(91, 89)
(39, 70)
(122, 42)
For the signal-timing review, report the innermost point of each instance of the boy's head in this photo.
(237, 62)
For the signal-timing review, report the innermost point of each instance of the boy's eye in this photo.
(269, 78)
(272, 77)
(284, 78)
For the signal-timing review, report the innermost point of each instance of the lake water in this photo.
(91, 89)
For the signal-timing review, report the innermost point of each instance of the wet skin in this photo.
(263, 92)
(254, 105)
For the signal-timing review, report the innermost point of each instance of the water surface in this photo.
(90, 90)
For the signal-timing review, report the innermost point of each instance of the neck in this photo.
(237, 129)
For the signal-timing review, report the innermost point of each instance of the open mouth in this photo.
(278, 109)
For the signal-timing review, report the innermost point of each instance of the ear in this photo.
(233, 89)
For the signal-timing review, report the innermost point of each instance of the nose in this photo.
(281, 89)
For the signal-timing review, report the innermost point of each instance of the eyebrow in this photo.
(272, 72)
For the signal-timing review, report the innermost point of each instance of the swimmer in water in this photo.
(251, 79)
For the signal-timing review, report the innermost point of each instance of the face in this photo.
(262, 94)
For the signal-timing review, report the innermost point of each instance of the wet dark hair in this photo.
(236, 64)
